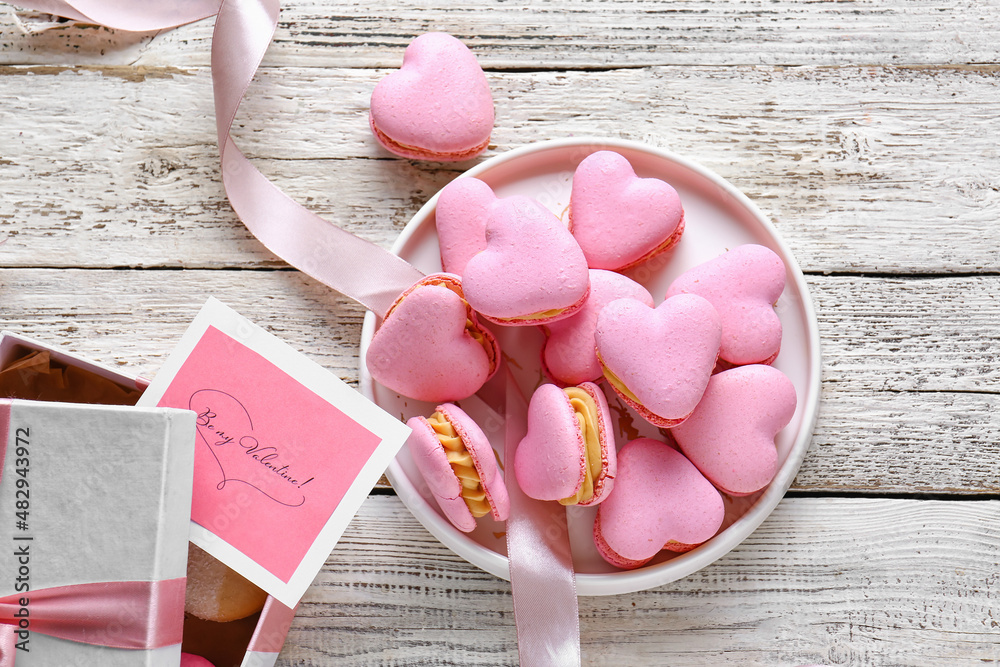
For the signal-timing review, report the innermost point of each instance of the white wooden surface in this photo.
(867, 130)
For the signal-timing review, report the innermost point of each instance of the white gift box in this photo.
(105, 497)
(92, 494)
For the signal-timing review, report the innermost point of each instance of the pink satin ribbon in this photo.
(133, 15)
(349, 264)
(116, 614)
(357, 268)
(541, 569)
(542, 580)
(269, 635)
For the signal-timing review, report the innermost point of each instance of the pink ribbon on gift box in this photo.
(116, 614)
(542, 578)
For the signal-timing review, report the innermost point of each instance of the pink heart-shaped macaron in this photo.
(532, 270)
(618, 218)
(552, 460)
(569, 355)
(430, 346)
(743, 285)
(659, 359)
(463, 207)
(450, 473)
(437, 106)
(660, 501)
(730, 436)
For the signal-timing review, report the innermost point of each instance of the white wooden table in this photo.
(868, 130)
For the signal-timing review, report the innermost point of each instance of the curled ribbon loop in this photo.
(349, 264)
(359, 269)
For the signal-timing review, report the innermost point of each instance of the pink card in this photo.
(285, 451)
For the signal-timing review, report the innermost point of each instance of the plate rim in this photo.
(626, 581)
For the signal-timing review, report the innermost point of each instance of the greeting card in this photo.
(285, 451)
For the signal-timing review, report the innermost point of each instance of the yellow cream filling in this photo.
(588, 417)
(477, 335)
(538, 316)
(461, 462)
(618, 384)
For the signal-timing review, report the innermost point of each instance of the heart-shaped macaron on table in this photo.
(717, 218)
(437, 106)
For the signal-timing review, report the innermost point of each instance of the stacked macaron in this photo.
(568, 453)
(693, 360)
(531, 270)
(456, 460)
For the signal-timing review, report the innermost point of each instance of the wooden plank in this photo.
(563, 34)
(886, 335)
(908, 334)
(911, 410)
(827, 580)
(133, 318)
(862, 170)
(904, 442)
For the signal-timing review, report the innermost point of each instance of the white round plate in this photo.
(718, 217)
